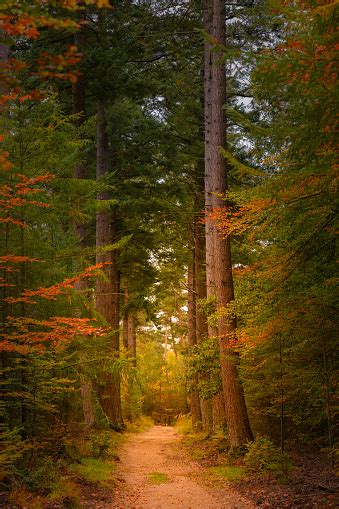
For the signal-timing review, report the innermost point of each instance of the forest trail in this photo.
(158, 450)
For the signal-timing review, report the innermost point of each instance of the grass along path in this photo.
(156, 473)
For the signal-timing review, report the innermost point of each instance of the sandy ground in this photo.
(158, 450)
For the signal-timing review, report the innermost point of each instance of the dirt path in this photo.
(158, 450)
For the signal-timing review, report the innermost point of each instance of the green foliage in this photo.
(202, 361)
(13, 448)
(43, 477)
(263, 456)
(207, 305)
(286, 291)
(99, 444)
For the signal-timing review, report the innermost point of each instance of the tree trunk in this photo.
(79, 109)
(215, 188)
(132, 344)
(192, 336)
(108, 289)
(218, 413)
(126, 343)
(201, 318)
(125, 318)
(129, 329)
(87, 402)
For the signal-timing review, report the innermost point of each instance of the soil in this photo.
(159, 450)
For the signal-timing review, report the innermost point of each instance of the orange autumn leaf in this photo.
(17, 259)
(51, 292)
(29, 334)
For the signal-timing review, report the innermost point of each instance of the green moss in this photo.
(230, 473)
(94, 470)
(158, 478)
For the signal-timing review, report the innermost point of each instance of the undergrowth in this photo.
(58, 470)
(94, 470)
(258, 458)
(142, 424)
(263, 457)
(183, 424)
(41, 477)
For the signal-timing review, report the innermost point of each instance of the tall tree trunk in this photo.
(87, 402)
(192, 332)
(79, 109)
(201, 318)
(132, 344)
(132, 351)
(108, 289)
(126, 387)
(125, 317)
(218, 411)
(129, 329)
(215, 188)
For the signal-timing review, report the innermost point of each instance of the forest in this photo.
(168, 243)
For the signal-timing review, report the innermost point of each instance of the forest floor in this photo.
(310, 484)
(161, 469)
(156, 472)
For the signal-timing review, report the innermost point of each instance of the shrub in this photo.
(66, 492)
(263, 456)
(184, 424)
(43, 478)
(142, 423)
(99, 444)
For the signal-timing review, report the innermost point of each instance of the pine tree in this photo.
(219, 269)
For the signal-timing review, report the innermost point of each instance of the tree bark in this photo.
(129, 329)
(87, 402)
(108, 289)
(79, 109)
(201, 318)
(125, 317)
(218, 409)
(215, 188)
(129, 342)
(132, 344)
(192, 332)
